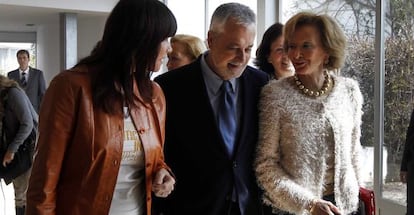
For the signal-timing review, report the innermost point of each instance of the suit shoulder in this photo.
(35, 70)
(253, 74)
(181, 73)
(257, 72)
(12, 72)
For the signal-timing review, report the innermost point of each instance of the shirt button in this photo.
(141, 131)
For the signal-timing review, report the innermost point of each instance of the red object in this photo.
(367, 196)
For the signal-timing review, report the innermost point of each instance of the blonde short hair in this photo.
(6, 82)
(194, 46)
(332, 37)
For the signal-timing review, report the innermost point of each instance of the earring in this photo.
(326, 61)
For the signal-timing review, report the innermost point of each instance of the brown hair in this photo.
(23, 51)
(263, 51)
(129, 47)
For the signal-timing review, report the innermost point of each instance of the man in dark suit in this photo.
(212, 160)
(407, 165)
(30, 79)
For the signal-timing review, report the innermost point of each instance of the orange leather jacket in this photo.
(80, 147)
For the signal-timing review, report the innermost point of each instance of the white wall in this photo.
(48, 42)
(82, 5)
(48, 56)
(90, 31)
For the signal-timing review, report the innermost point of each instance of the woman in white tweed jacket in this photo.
(307, 158)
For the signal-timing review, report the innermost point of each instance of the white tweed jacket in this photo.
(290, 164)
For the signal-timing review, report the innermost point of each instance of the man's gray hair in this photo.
(241, 13)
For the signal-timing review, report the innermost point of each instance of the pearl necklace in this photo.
(325, 87)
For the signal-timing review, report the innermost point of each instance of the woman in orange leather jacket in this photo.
(100, 148)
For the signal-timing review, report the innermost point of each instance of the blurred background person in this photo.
(309, 126)
(271, 56)
(407, 166)
(102, 122)
(185, 49)
(30, 79)
(18, 120)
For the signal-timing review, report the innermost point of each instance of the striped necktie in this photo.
(23, 80)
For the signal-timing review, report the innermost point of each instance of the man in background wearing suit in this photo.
(30, 79)
(209, 143)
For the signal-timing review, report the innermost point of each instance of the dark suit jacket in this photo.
(194, 148)
(35, 88)
(407, 164)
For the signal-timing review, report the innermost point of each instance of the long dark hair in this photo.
(263, 51)
(129, 47)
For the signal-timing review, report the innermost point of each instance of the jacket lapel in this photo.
(30, 78)
(15, 75)
(247, 112)
(204, 106)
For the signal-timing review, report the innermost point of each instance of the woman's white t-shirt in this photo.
(129, 194)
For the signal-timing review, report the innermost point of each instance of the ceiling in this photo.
(23, 17)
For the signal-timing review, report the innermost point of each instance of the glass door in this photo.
(8, 59)
(358, 19)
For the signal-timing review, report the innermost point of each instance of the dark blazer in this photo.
(407, 164)
(36, 85)
(194, 148)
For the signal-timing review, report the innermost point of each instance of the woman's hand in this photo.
(8, 157)
(163, 183)
(322, 207)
